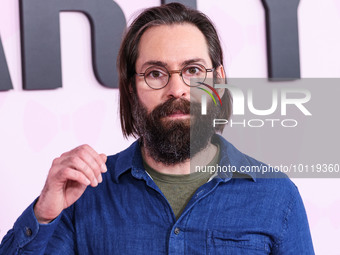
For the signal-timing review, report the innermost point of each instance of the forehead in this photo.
(172, 44)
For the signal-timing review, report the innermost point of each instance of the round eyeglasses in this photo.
(157, 77)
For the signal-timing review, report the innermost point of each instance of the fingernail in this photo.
(95, 182)
(100, 178)
(104, 168)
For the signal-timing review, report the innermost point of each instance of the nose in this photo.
(176, 87)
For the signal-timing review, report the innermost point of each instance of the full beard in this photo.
(174, 141)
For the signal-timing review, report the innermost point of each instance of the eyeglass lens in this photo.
(158, 76)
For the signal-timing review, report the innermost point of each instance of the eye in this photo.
(194, 70)
(155, 73)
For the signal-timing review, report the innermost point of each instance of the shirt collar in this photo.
(230, 156)
(131, 158)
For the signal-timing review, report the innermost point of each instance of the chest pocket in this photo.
(232, 243)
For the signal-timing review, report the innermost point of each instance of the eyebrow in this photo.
(161, 63)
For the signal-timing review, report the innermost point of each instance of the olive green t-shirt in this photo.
(178, 189)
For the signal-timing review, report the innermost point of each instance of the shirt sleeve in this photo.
(28, 236)
(296, 237)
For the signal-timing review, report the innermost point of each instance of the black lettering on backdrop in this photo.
(282, 38)
(5, 79)
(40, 40)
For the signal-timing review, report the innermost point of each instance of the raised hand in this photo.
(67, 180)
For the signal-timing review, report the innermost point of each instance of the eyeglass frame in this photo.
(170, 72)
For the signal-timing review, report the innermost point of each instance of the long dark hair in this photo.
(169, 14)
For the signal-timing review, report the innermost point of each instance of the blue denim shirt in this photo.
(128, 214)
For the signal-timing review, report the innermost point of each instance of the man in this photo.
(148, 201)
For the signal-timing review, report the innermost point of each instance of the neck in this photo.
(202, 158)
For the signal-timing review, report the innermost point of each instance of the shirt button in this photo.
(28, 232)
(177, 230)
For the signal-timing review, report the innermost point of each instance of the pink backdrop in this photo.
(38, 126)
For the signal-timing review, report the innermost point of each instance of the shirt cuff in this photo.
(29, 233)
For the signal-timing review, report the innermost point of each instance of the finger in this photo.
(94, 157)
(68, 173)
(91, 158)
(80, 165)
(104, 158)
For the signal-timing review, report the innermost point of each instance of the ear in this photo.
(220, 74)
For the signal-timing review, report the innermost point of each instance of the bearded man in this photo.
(149, 201)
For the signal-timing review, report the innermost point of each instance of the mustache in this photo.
(171, 106)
